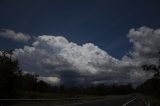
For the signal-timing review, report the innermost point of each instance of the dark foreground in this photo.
(121, 100)
(129, 100)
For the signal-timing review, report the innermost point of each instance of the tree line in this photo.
(152, 85)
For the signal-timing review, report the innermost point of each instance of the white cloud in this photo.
(58, 60)
(56, 56)
(10, 34)
(51, 80)
(146, 44)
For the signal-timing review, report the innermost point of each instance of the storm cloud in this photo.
(57, 60)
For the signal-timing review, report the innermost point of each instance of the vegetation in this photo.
(151, 86)
(9, 75)
(13, 83)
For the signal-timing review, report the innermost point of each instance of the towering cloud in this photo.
(10, 34)
(59, 61)
(67, 61)
(146, 44)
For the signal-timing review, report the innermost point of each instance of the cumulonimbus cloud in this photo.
(54, 58)
(10, 34)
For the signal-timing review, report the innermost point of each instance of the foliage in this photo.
(151, 86)
(12, 81)
(9, 76)
(102, 89)
(155, 68)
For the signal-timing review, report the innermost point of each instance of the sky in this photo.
(82, 41)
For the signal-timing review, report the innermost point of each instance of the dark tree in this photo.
(9, 75)
(14, 84)
(153, 67)
(151, 86)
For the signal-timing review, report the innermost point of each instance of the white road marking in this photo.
(129, 102)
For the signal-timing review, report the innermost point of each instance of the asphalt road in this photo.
(120, 100)
(127, 100)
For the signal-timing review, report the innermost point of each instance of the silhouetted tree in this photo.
(29, 82)
(9, 75)
(102, 89)
(153, 67)
(151, 86)
(42, 86)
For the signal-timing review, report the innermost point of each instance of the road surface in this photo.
(120, 100)
(127, 100)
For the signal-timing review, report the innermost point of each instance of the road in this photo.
(127, 100)
(120, 100)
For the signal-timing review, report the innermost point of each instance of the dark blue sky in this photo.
(102, 22)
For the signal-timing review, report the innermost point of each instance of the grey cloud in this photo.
(16, 36)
